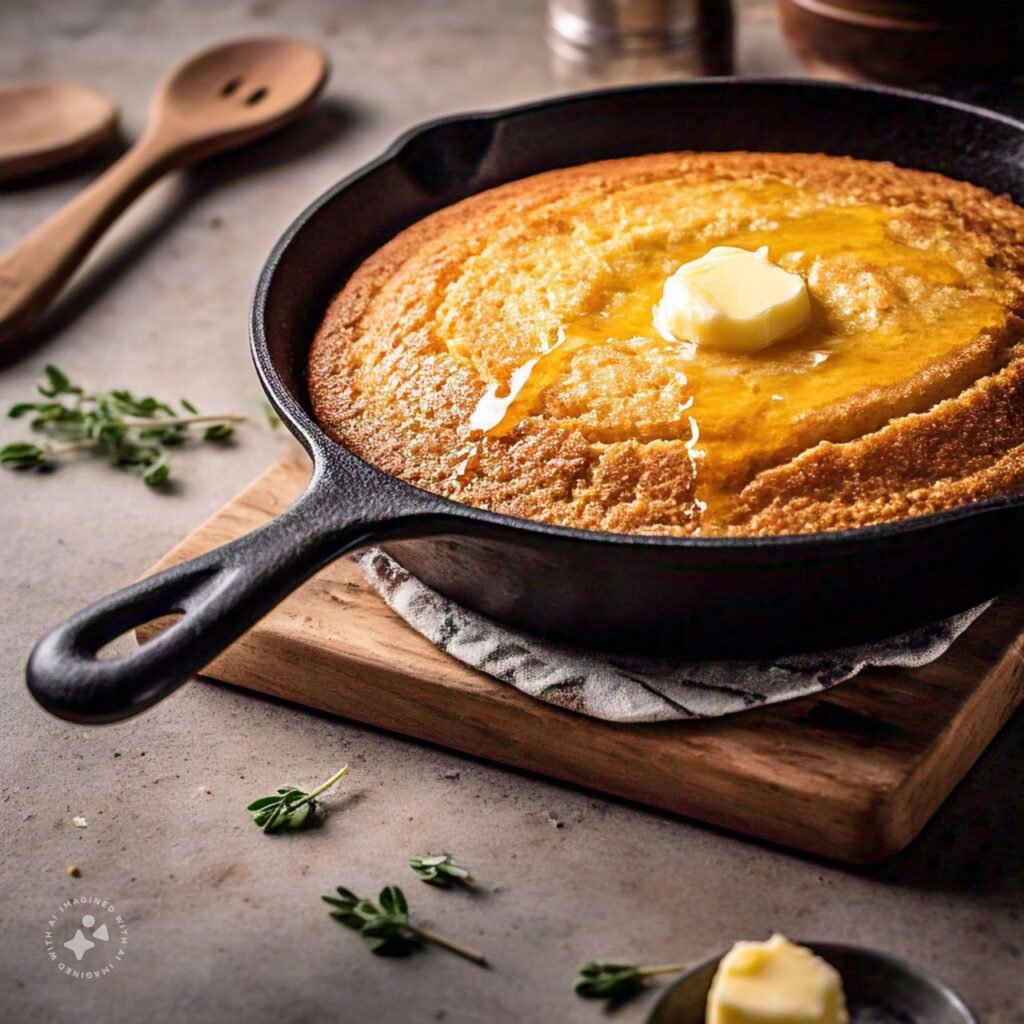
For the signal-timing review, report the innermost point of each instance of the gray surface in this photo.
(225, 924)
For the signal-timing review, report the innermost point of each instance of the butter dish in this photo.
(880, 989)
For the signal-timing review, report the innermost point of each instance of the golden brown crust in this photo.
(461, 298)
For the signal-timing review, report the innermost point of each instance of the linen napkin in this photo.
(637, 688)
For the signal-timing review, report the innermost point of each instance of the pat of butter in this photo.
(732, 299)
(775, 982)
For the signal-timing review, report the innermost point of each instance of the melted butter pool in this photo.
(883, 310)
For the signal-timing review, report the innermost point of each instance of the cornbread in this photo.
(503, 352)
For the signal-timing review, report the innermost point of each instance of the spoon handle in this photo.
(34, 271)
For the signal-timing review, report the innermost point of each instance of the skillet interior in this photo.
(705, 597)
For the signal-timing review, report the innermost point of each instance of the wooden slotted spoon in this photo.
(222, 97)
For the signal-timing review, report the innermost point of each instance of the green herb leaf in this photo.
(439, 869)
(386, 929)
(600, 979)
(290, 808)
(56, 383)
(157, 472)
(218, 432)
(392, 901)
(24, 456)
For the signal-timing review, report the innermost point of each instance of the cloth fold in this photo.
(637, 689)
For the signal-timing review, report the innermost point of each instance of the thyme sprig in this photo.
(132, 432)
(439, 869)
(385, 925)
(599, 979)
(290, 807)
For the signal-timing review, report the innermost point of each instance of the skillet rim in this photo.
(324, 449)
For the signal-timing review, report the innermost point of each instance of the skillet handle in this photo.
(220, 595)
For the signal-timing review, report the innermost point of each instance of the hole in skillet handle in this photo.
(67, 675)
(445, 157)
(219, 596)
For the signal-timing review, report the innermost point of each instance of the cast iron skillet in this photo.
(705, 597)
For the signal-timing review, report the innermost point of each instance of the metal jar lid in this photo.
(622, 27)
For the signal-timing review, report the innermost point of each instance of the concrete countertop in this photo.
(223, 923)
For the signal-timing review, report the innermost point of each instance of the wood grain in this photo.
(851, 774)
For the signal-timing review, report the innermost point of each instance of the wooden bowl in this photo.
(907, 42)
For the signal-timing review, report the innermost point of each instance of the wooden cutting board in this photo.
(852, 774)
